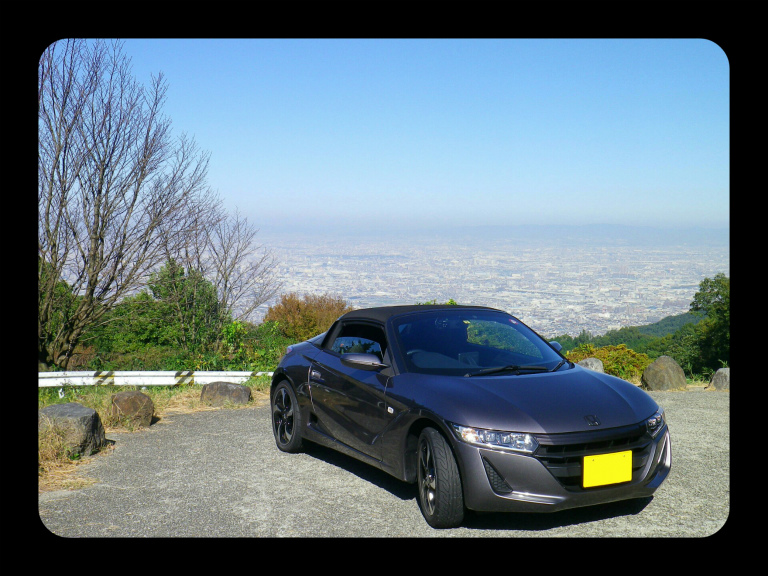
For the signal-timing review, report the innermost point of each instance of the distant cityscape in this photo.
(580, 279)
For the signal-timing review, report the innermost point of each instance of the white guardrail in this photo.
(119, 378)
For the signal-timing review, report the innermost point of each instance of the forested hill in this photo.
(669, 325)
(639, 338)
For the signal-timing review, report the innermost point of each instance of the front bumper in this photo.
(550, 480)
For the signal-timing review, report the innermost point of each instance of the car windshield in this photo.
(470, 342)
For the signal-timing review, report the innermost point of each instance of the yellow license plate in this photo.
(605, 469)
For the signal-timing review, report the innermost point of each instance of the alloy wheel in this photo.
(282, 416)
(439, 483)
(286, 418)
(428, 484)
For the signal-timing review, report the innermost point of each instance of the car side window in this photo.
(364, 338)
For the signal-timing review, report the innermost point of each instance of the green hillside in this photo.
(645, 338)
(669, 325)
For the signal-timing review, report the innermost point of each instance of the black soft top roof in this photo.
(384, 313)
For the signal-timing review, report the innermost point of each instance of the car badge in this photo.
(592, 420)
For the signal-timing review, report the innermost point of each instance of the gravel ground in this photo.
(219, 474)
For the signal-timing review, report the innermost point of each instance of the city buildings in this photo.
(556, 285)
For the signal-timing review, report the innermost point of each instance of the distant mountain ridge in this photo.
(584, 234)
(602, 234)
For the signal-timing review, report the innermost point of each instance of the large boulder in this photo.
(132, 408)
(592, 364)
(80, 427)
(721, 380)
(664, 374)
(222, 393)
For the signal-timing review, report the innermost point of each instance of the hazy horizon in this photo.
(449, 132)
(604, 233)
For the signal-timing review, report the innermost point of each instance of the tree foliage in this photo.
(178, 310)
(301, 318)
(714, 301)
(188, 306)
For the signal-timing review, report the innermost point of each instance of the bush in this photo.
(618, 360)
(269, 346)
(299, 319)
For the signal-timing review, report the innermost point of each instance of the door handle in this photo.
(315, 376)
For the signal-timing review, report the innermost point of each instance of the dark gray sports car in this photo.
(472, 405)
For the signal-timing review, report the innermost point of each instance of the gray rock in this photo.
(222, 393)
(132, 408)
(80, 427)
(663, 374)
(721, 380)
(592, 364)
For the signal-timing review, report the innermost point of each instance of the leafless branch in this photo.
(117, 193)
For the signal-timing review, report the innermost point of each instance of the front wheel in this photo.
(286, 418)
(440, 497)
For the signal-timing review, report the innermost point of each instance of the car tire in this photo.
(286, 418)
(440, 495)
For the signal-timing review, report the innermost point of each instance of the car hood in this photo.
(551, 403)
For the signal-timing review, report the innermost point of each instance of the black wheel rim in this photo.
(282, 416)
(427, 478)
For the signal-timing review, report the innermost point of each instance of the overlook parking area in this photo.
(218, 474)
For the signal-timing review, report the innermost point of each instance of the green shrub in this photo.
(268, 346)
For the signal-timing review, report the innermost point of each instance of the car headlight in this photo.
(655, 423)
(497, 439)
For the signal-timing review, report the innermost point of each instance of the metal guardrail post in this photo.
(185, 377)
(100, 378)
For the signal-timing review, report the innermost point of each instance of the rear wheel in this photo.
(440, 497)
(286, 418)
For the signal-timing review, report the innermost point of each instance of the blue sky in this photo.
(435, 132)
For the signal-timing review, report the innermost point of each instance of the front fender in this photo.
(399, 441)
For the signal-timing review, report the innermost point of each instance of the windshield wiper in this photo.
(509, 368)
(556, 368)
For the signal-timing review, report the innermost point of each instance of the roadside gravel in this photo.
(218, 474)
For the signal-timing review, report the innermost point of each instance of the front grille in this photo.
(563, 454)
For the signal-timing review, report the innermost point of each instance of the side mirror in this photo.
(556, 345)
(362, 361)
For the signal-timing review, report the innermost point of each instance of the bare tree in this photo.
(119, 197)
(117, 192)
(242, 271)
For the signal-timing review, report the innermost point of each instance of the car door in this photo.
(349, 402)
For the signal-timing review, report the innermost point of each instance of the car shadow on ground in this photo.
(481, 520)
(379, 478)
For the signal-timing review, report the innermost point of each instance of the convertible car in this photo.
(473, 406)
